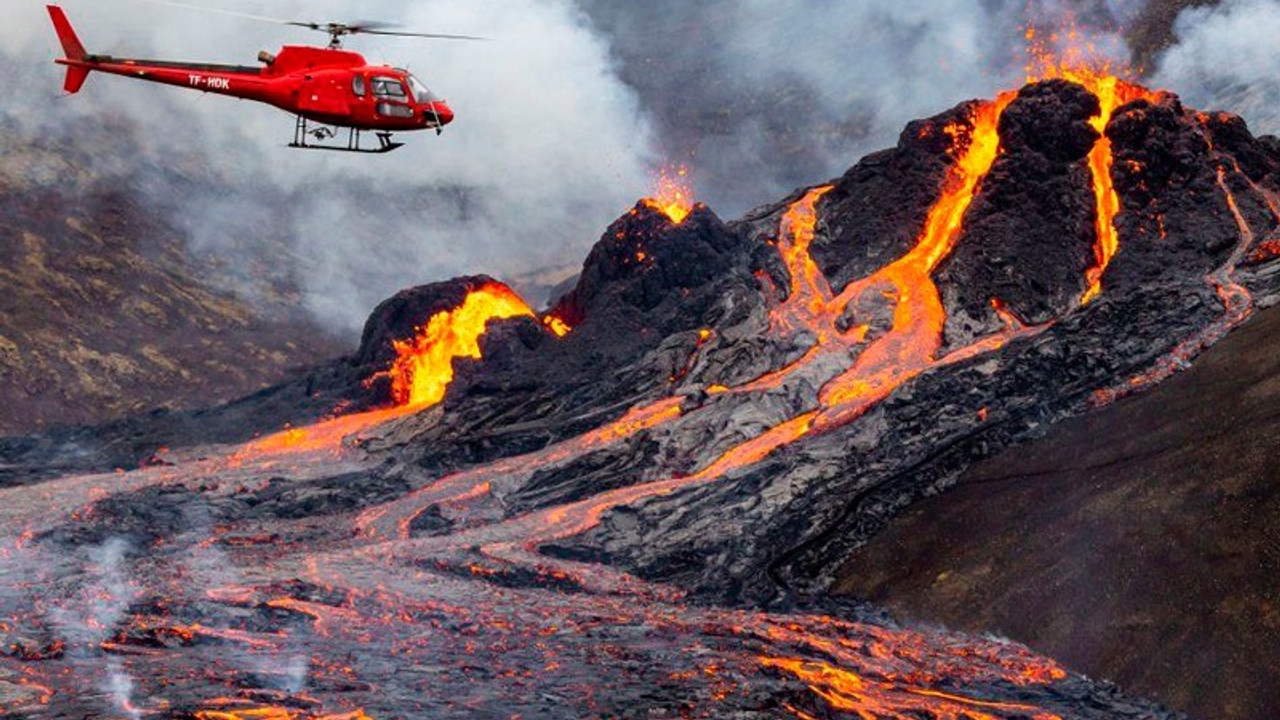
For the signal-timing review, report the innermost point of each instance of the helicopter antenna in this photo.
(335, 30)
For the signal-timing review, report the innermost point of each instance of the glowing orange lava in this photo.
(556, 325)
(674, 197)
(275, 713)
(858, 670)
(419, 376)
(909, 348)
(1265, 251)
(424, 367)
(325, 435)
(878, 698)
(912, 345)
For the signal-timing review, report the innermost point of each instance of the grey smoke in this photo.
(761, 97)
(562, 120)
(1226, 57)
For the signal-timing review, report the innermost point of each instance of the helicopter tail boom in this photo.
(77, 71)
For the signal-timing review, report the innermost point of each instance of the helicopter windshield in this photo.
(420, 91)
(387, 87)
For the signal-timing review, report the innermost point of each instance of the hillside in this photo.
(106, 309)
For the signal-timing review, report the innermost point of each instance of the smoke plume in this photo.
(94, 614)
(562, 119)
(761, 97)
(1226, 57)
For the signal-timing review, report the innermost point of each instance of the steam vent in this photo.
(666, 496)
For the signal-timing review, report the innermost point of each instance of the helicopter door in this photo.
(327, 94)
(393, 98)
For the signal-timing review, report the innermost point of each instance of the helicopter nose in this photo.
(442, 111)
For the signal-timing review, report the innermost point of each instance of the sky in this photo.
(565, 118)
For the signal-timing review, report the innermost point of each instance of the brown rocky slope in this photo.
(104, 309)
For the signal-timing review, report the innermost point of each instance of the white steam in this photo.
(1227, 57)
(95, 612)
(207, 567)
(93, 615)
(120, 684)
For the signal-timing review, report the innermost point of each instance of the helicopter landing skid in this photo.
(303, 130)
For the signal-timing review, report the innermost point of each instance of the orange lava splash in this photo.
(557, 325)
(674, 197)
(419, 376)
(424, 367)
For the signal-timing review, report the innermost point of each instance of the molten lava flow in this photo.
(849, 692)
(275, 713)
(674, 197)
(419, 376)
(325, 435)
(424, 367)
(808, 302)
(1236, 300)
(909, 348)
(1112, 92)
(912, 345)
(1102, 79)
(1265, 251)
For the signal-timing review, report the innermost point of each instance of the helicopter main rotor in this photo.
(335, 30)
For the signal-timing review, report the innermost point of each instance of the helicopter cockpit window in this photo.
(359, 86)
(389, 88)
(420, 91)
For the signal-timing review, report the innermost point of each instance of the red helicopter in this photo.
(330, 87)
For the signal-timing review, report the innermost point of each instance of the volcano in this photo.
(637, 504)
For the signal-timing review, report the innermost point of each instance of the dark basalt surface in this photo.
(640, 276)
(1032, 228)
(842, 486)
(877, 210)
